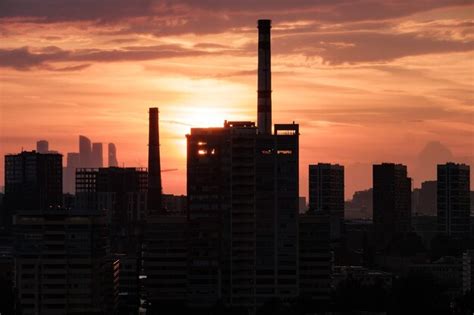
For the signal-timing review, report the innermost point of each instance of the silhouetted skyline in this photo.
(358, 101)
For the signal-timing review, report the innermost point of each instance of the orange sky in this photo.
(368, 81)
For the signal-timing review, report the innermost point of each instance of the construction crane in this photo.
(169, 170)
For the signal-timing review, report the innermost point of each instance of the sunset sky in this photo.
(367, 80)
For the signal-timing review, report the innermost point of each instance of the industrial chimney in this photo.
(264, 78)
(154, 167)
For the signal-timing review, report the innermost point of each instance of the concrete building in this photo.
(122, 194)
(315, 258)
(326, 194)
(361, 205)
(165, 262)
(128, 285)
(391, 201)
(427, 198)
(33, 182)
(69, 172)
(454, 200)
(176, 204)
(243, 205)
(468, 271)
(366, 277)
(62, 264)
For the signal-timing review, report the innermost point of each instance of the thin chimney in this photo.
(264, 78)
(154, 167)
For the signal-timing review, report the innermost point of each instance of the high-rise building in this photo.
(97, 159)
(427, 200)
(242, 184)
(391, 201)
(326, 194)
(122, 193)
(129, 286)
(33, 182)
(165, 253)
(69, 173)
(62, 264)
(315, 259)
(85, 152)
(112, 156)
(453, 195)
(42, 146)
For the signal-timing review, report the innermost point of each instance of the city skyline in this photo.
(357, 103)
(83, 238)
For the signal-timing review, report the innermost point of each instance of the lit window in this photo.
(202, 152)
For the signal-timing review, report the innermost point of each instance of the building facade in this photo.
(391, 201)
(453, 195)
(62, 264)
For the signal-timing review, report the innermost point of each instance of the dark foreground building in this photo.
(243, 205)
(33, 182)
(391, 202)
(63, 264)
(453, 195)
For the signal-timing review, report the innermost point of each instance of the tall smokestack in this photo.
(264, 78)
(154, 167)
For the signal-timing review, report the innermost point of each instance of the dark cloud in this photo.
(356, 47)
(184, 12)
(25, 58)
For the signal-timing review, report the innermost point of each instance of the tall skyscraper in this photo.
(42, 146)
(85, 152)
(112, 156)
(33, 182)
(243, 205)
(97, 159)
(326, 194)
(453, 196)
(391, 201)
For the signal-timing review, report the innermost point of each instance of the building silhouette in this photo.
(453, 196)
(243, 205)
(427, 200)
(97, 159)
(62, 264)
(315, 258)
(69, 172)
(122, 194)
(85, 152)
(33, 182)
(112, 155)
(326, 194)
(42, 146)
(391, 202)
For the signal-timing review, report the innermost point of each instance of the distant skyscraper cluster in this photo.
(90, 155)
